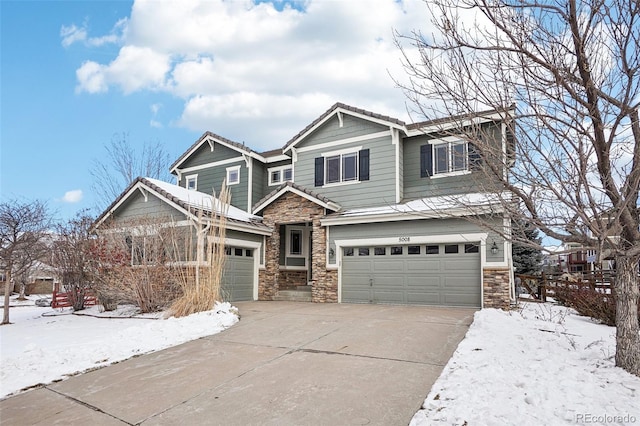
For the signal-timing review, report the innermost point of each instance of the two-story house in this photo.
(358, 207)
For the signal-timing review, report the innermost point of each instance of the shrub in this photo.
(589, 302)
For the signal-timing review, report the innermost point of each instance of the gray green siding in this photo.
(204, 155)
(136, 208)
(415, 186)
(331, 131)
(378, 190)
(259, 177)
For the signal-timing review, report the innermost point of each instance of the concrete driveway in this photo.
(284, 363)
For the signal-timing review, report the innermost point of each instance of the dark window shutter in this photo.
(364, 164)
(474, 156)
(319, 171)
(426, 166)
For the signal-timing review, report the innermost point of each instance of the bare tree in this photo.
(24, 228)
(72, 257)
(564, 75)
(122, 164)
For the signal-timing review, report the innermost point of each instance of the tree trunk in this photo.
(23, 287)
(627, 327)
(7, 294)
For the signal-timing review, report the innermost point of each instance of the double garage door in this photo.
(434, 274)
(238, 275)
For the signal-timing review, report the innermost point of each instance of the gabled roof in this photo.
(209, 137)
(298, 190)
(460, 120)
(190, 203)
(343, 108)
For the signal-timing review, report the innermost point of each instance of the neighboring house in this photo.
(358, 206)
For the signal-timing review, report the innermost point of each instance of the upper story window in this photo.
(192, 182)
(446, 157)
(233, 175)
(341, 168)
(450, 157)
(346, 166)
(277, 175)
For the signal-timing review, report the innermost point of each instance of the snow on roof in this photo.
(439, 204)
(200, 200)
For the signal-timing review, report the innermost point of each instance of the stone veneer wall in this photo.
(291, 208)
(496, 288)
(292, 278)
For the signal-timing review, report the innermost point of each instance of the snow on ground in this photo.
(540, 365)
(43, 345)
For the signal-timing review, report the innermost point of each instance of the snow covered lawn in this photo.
(43, 345)
(540, 365)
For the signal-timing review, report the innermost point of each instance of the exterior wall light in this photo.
(494, 248)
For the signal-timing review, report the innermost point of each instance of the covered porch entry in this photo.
(295, 253)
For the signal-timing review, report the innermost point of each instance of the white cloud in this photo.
(91, 78)
(233, 61)
(72, 34)
(74, 196)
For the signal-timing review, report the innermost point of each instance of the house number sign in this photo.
(404, 239)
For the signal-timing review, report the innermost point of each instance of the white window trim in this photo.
(188, 178)
(232, 169)
(280, 169)
(449, 142)
(341, 153)
(303, 245)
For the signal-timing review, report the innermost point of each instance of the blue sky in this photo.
(74, 73)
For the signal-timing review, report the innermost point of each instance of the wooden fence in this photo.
(63, 299)
(538, 287)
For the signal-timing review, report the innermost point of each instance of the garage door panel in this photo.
(388, 297)
(357, 265)
(426, 282)
(461, 299)
(429, 279)
(459, 283)
(390, 281)
(356, 295)
(387, 265)
(419, 265)
(423, 298)
(461, 265)
(238, 276)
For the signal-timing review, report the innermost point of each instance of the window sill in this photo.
(292, 268)
(450, 174)
(349, 182)
(279, 183)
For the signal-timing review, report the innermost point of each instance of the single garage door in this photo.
(435, 274)
(237, 278)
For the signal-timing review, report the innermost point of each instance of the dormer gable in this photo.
(339, 110)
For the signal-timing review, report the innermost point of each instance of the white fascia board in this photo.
(277, 158)
(458, 123)
(210, 165)
(330, 205)
(339, 142)
(142, 187)
(400, 216)
(341, 110)
(247, 228)
(209, 139)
